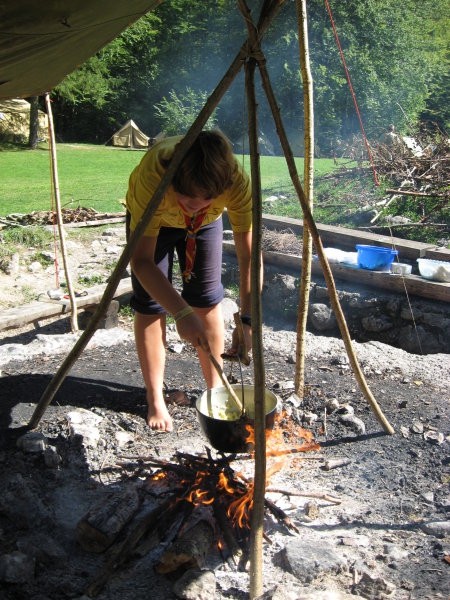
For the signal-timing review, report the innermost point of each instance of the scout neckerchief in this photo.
(193, 224)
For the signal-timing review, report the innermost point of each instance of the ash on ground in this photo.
(387, 536)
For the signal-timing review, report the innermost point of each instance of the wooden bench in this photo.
(45, 308)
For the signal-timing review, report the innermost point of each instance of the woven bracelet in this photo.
(184, 312)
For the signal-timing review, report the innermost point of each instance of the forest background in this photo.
(161, 69)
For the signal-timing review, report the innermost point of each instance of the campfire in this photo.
(185, 509)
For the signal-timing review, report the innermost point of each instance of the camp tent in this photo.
(41, 42)
(15, 120)
(130, 136)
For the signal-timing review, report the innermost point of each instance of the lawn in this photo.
(96, 177)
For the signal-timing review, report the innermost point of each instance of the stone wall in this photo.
(416, 325)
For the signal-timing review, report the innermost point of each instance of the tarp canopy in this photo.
(15, 120)
(41, 42)
(130, 136)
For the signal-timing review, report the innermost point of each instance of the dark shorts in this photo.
(205, 288)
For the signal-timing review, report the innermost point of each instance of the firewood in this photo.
(120, 552)
(227, 532)
(98, 529)
(189, 550)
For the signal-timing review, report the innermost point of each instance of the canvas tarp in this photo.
(130, 136)
(41, 42)
(15, 121)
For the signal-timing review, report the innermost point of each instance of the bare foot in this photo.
(158, 417)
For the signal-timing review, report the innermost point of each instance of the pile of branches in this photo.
(419, 173)
(416, 173)
(425, 169)
(48, 217)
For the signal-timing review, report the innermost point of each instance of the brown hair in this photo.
(207, 168)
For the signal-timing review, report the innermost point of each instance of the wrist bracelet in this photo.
(246, 320)
(184, 312)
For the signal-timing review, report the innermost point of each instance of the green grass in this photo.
(97, 177)
(89, 176)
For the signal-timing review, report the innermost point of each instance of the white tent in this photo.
(130, 136)
(15, 120)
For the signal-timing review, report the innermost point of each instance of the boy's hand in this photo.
(191, 329)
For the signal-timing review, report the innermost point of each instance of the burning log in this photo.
(189, 550)
(98, 529)
(122, 551)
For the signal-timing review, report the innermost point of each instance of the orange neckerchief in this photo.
(193, 224)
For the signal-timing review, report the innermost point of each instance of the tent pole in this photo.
(59, 219)
(308, 178)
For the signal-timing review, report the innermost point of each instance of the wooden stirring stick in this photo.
(226, 383)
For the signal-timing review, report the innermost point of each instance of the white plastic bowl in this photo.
(437, 270)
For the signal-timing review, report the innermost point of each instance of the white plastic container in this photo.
(401, 268)
(437, 270)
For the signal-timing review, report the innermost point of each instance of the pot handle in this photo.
(226, 383)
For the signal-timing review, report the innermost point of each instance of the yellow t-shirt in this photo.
(146, 177)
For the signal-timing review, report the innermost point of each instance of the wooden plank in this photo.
(346, 239)
(46, 308)
(414, 285)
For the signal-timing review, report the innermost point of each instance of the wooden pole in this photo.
(259, 488)
(260, 472)
(59, 219)
(305, 282)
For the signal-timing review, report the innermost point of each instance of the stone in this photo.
(20, 504)
(434, 437)
(14, 265)
(32, 442)
(376, 324)
(309, 559)
(84, 423)
(16, 567)
(196, 585)
(229, 307)
(322, 317)
(374, 588)
(35, 267)
(52, 458)
(439, 529)
(108, 321)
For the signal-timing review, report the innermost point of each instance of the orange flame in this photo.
(239, 511)
(224, 484)
(158, 475)
(197, 495)
(276, 444)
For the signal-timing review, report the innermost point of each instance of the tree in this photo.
(394, 52)
(34, 122)
(177, 113)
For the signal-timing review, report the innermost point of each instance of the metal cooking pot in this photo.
(223, 425)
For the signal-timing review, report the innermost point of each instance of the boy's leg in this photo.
(149, 332)
(213, 321)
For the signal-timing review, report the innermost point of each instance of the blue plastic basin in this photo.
(375, 258)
